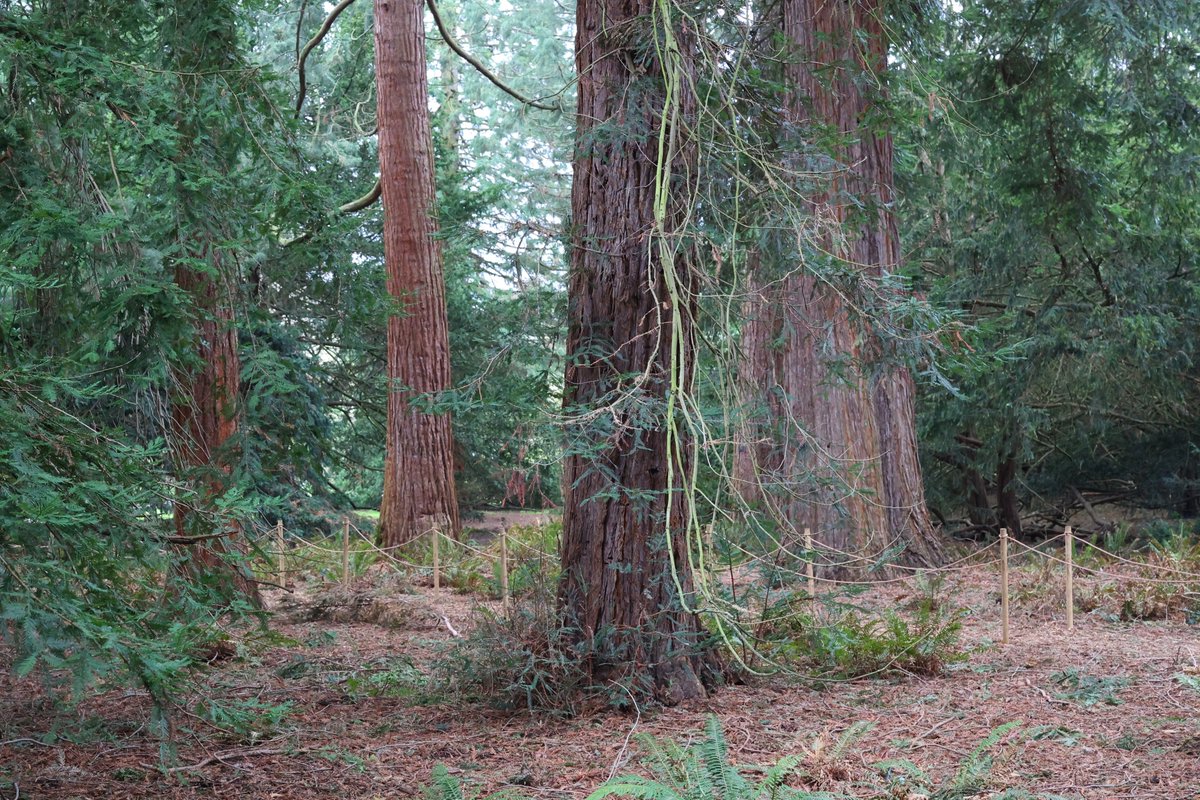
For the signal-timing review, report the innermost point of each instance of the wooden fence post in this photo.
(346, 550)
(808, 565)
(1004, 585)
(280, 561)
(504, 600)
(437, 572)
(1069, 551)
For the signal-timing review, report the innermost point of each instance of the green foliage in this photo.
(970, 779)
(1191, 681)
(1088, 690)
(1047, 178)
(849, 643)
(972, 774)
(396, 677)
(125, 160)
(703, 772)
(445, 786)
(246, 720)
(81, 550)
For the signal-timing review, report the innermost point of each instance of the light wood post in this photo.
(808, 565)
(504, 600)
(437, 571)
(1004, 585)
(1069, 552)
(280, 560)
(346, 550)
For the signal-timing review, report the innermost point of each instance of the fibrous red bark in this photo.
(418, 481)
(626, 582)
(205, 418)
(853, 476)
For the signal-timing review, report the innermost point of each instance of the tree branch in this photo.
(313, 42)
(365, 201)
(299, 26)
(448, 38)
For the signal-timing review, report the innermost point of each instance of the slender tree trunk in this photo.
(853, 476)
(626, 579)
(205, 418)
(1006, 495)
(204, 414)
(418, 477)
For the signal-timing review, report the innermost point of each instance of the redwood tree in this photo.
(854, 476)
(418, 478)
(204, 413)
(625, 584)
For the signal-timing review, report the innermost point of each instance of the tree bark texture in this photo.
(418, 479)
(853, 474)
(618, 589)
(204, 419)
(204, 411)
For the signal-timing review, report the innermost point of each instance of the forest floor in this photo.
(1123, 723)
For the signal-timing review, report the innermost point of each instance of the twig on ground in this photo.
(232, 755)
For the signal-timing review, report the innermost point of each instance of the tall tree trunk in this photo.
(854, 476)
(626, 580)
(204, 414)
(418, 476)
(757, 355)
(204, 419)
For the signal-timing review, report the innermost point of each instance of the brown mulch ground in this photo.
(345, 743)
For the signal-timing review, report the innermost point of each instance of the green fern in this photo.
(444, 786)
(849, 737)
(703, 772)
(447, 787)
(973, 773)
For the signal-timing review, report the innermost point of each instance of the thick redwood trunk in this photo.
(418, 477)
(852, 474)
(619, 588)
(204, 419)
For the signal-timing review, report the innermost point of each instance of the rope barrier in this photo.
(1113, 575)
(772, 561)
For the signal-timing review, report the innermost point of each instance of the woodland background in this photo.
(700, 274)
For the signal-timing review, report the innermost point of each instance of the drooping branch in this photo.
(354, 206)
(365, 201)
(453, 44)
(313, 42)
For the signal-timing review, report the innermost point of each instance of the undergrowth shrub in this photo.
(848, 642)
(523, 659)
(859, 645)
(704, 771)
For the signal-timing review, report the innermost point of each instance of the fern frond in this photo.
(445, 786)
(972, 773)
(775, 777)
(636, 787)
(719, 778)
(850, 736)
(902, 765)
(994, 736)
